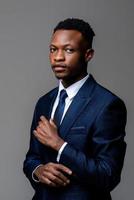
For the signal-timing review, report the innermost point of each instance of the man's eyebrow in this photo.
(65, 45)
(52, 45)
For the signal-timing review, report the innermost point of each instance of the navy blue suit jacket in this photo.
(94, 127)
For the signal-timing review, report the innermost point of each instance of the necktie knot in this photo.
(63, 95)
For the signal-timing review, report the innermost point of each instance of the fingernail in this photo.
(68, 181)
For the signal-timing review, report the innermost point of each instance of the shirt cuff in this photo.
(60, 151)
(34, 177)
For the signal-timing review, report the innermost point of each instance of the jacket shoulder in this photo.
(47, 97)
(102, 92)
(104, 96)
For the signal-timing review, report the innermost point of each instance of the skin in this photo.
(52, 174)
(68, 56)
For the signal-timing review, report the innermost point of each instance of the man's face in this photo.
(68, 55)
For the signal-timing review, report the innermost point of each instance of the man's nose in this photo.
(59, 56)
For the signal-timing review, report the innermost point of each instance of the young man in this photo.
(77, 143)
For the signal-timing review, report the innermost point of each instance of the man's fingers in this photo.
(52, 174)
(64, 169)
(44, 120)
(48, 182)
(39, 136)
(56, 179)
(62, 177)
(38, 133)
(52, 123)
(41, 126)
(49, 177)
(35, 133)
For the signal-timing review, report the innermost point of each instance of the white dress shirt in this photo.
(71, 91)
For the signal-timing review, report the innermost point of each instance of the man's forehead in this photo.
(64, 36)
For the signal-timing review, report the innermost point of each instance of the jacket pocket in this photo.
(78, 128)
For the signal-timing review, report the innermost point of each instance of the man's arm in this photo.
(103, 168)
(52, 174)
(33, 159)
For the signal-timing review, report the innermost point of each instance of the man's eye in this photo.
(68, 50)
(52, 49)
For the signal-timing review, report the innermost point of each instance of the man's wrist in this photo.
(58, 144)
(34, 177)
(60, 151)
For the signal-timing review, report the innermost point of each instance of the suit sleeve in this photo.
(101, 168)
(33, 158)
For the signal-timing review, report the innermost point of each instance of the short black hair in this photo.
(77, 24)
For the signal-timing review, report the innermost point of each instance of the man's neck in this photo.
(66, 83)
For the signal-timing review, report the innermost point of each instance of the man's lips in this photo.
(58, 67)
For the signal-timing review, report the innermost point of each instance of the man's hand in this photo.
(53, 174)
(46, 132)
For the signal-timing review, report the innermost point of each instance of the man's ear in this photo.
(89, 54)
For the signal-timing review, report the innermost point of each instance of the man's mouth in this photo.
(58, 67)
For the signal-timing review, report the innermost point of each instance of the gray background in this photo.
(25, 74)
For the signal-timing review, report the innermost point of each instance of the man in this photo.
(77, 143)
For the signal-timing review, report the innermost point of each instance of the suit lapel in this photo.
(78, 104)
(50, 103)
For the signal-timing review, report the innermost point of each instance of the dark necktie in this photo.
(60, 108)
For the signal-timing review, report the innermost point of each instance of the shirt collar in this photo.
(74, 88)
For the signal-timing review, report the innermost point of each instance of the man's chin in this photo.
(60, 76)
